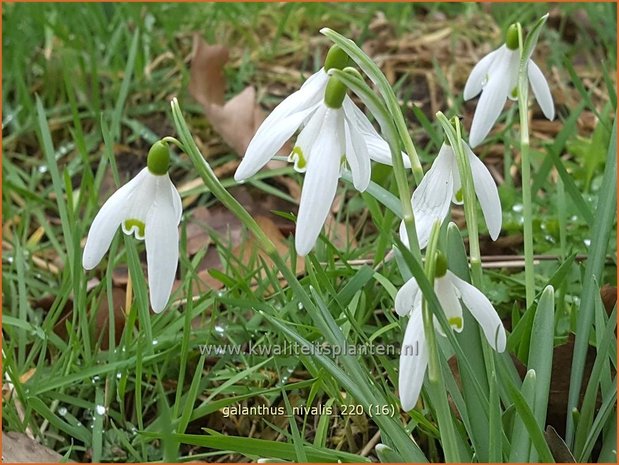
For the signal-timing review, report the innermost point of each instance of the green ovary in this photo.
(134, 226)
(511, 37)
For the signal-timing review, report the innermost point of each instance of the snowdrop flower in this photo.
(496, 77)
(334, 131)
(149, 207)
(441, 186)
(450, 290)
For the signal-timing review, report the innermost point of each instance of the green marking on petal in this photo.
(134, 226)
(158, 160)
(300, 162)
(460, 196)
(514, 93)
(511, 37)
(441, 265)
(455, 322)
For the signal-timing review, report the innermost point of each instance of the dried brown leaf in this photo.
(19, 448)
(237, 120)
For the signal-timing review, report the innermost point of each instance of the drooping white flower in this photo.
(496, 77)
(450, 291)
(441, 185)
(149, 207)
(334, 131)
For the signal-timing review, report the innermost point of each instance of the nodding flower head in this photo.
(334, 131)
(496, 77)
(441, 186)
(149, 207)
(451, 291)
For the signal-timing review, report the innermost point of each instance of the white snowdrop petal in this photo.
(354, 114)
(487, 194)
(308, 135)
(408, 298)
(378, 148)
(432, 197)
(492, 100)
(141, 201)
(106, 222)
(512, 73)
(541, 90)
(478, 76)
(320, 183)
(446, 294)
(161, 236)
(265, 144)
(357, 157)
(310, 93)
(483, 311)
(177, 202)
(413, 362)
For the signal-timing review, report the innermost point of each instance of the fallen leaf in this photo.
(237, 120)
(207, 82)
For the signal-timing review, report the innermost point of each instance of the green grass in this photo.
(82, 105)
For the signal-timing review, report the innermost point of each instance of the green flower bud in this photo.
(336, 58)
(441, 265)
(511, 37)
(158, 160)
(335, 93)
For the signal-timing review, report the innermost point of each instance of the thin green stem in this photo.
(454, 135)
(175, 141)
(523, 106)
(355, 83)
(435, 378)
(219, 191)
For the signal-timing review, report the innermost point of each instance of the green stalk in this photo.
(454, 136)
(529, 272)
(351, 79)
(453, 132)
(526, 49)
(435, 378)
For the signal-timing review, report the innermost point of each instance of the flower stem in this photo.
(523, 105)
(454, 135)
(470, 205)
(175, 141)
(385, 119)
(215, 186)
(438, 389)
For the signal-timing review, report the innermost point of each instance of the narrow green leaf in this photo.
(540, 356)
(602, 225)
(261, 448)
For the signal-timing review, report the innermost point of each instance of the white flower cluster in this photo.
(334, 133)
